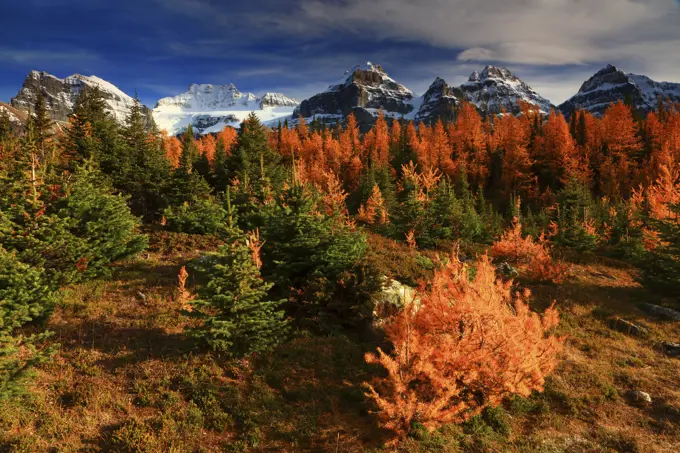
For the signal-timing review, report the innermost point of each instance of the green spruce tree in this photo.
(238, 317)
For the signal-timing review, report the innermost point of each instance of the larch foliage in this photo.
(467, 344)
(374, 210)
(533, 255)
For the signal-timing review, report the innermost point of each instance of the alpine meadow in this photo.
(469, 269)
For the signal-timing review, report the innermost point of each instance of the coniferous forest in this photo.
(501, 283)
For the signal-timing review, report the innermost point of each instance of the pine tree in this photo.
(42, 124)
(252, 157)
(141, 169)
(661, 265)
(25, 296)
(575, 227)
(103, 222)
(316, 262)
(467, 345)
(237, 315)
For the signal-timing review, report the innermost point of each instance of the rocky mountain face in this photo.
(61, 94)
(209, 108)
(610, 84)
(365, 90)
(368, 88)
(17, 118)
(496, 89)
(439, 101)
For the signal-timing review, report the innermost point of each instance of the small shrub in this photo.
(532, 255)
(134, 436)
(468, 345)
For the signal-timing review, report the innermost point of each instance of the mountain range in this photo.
(363, 91)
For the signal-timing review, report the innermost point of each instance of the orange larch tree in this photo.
(464, 345)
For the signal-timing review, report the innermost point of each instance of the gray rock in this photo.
(628, 327)
(640, 396)
(367, 87)
(60, 96)
(610, 85)
(507, 269)
(440, 101)
(661, 312)
(671, 349)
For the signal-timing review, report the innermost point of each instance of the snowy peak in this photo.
(364, 90)
(210, 108)
(610, 85)
(61, 94)
(277, 100)
(496, 89)
(493, 72)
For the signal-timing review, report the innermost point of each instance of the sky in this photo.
(158, 47)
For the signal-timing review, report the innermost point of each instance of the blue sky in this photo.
(299, 47)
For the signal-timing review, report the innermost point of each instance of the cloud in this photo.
(541, 32)
(39, 57)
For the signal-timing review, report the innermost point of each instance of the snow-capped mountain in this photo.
(439, 101)
(363, 91)
(610, 84)
(61, 94)
(209, 108)
(366, 89)
(496, 89)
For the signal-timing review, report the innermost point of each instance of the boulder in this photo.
(628, 327)
(640, 397)
(661, 312)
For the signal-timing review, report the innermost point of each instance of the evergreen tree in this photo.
(25, 295)
(252, 157)
(42, 125)
(315, 261)
(142, 171)
(237, 315)
(575, 209)
(661, 266)
(104, 224)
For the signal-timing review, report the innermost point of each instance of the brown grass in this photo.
(126, 378)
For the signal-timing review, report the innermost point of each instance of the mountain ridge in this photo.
(363, 90)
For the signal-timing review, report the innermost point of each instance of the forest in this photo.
(482, 284)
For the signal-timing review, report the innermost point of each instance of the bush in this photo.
(465, 347)
(534, 256)
(203, 216)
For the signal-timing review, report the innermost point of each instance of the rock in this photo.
(440, 101)
(640, 397)
(671, 349)
(602, 275)
(507, 269)
(628, 327)
(610, 85)
(497, 89)
(661, 312)
(364, 91)
(61, 94)
(397, 294)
